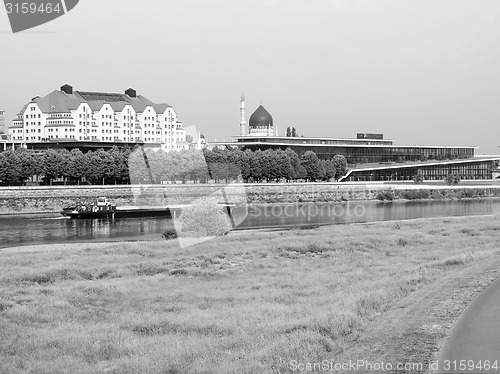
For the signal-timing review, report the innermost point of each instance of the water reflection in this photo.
(304, 214)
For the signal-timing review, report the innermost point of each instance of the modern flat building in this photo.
(3, 129)
(370, 156)
(89, 118)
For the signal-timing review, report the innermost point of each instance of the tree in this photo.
(246, 158)
(10, 168)
(311, 163)
(144, 166)
(322, 170)
(172, 166)
(200, 170)
(121, 164)
(295, 164)
(329, 169)
(4, 167)
(186, 165)
(255, 166)
(419, 177)
(54, 165)
(218, 164)
(234, 159)
(284, 165)
(66, 164)
(452, 179)
(106, 165)
(78, 165)
(29, 165)
(268, 164)
(340, 164)
(301, 172)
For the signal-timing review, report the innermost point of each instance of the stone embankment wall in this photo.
(54, 198)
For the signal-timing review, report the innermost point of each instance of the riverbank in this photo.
(43, 199)
(250, 302)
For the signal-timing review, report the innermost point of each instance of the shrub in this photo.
(204, 218)
(418, 178)
(464, 194)
(415, 194)
(438, 194)
(452, 179)
(385, 195)
(169, 233)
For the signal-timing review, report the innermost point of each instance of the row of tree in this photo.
(233, 165)
(98, 167)
(138, 165)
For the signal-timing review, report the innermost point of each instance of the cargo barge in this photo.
(103, 208)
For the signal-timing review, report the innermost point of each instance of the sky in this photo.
(422, 72)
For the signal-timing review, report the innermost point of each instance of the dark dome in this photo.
(260, 118)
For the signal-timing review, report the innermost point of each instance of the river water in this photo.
(15, 231)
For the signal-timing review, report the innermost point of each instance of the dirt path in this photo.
(412, 331)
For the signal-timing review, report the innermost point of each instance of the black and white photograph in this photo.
(249, 187)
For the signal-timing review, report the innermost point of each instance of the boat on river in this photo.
(101, 208)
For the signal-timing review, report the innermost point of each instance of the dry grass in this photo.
(246, 303)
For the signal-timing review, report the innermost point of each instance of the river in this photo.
(27, 230)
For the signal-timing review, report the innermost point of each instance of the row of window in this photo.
(477, 170)
(57, 130)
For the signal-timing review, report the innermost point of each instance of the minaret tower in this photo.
(243, 123)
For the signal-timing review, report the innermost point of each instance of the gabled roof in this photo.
(63, 102)
(161, 108)
(58, 102)
(118, 106)
(95, 106)
(139, 103)
(22, 110)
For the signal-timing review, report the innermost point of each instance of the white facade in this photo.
(99, 117)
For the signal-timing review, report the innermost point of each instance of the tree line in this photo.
(139, 165)
(94, 167)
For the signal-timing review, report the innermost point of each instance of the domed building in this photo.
(260, 122)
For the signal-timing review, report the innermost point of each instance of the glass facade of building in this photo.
(376, 159)
(481, 169)
(364, 153)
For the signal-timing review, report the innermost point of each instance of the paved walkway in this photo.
(474, 344)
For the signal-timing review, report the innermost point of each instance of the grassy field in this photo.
(250, 302)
